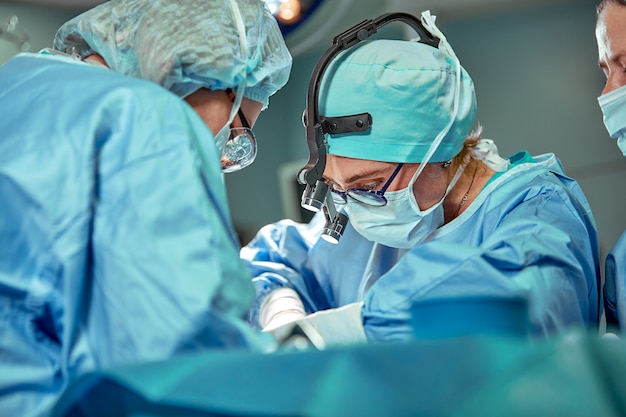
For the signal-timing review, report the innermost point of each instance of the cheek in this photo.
(213, 107)
(215, 117)
(251, 109)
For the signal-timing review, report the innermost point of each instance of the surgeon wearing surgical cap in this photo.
(117, 244)
(611, 41)
(434, 212)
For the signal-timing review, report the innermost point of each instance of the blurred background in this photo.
(534, 64)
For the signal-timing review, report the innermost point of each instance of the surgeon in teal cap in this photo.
(434, 213)
(117, 246)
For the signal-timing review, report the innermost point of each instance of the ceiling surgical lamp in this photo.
(291, 13)
(316, 196)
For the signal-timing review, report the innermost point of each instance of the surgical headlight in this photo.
(316, 196)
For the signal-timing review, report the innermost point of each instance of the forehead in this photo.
(341, 169)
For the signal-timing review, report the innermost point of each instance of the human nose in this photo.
(613, 82)
(608, 87)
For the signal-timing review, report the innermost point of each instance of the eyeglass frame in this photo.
(378, 195)
(245, 126)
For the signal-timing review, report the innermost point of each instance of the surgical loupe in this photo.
(316, 195)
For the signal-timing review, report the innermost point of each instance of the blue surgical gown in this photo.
(615, 286)
(529, 233)
(116, 245)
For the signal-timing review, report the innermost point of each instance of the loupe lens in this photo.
(313, 196)
(333, 230)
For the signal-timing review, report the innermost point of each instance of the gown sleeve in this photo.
(540, 247)
(278, 257)
(165, 271)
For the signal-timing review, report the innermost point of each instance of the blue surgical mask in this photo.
(613, 107)
(400, 223)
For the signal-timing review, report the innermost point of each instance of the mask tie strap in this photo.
(428, 21)
(242, 84)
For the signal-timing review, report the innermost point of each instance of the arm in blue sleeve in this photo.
(542, 249)
(166, 269)
(279, 257)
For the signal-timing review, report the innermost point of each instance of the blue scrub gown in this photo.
(529, 233)
(615, 287)
(116, 245)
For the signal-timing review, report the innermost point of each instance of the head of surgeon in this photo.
(611, 39)
(224, 57)
(414, 169)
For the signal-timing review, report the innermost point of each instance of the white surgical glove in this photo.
(280, 307)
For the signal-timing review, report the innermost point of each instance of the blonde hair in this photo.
(471, 140)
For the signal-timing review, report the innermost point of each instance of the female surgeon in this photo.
(116, 245)
(434, 212)
(611, 39)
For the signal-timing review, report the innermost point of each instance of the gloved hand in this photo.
(280, 307)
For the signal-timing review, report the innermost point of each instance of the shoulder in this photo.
(537, 180)
(77, 81)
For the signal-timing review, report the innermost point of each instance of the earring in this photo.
(446, 164)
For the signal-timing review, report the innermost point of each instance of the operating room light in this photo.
(291, 13)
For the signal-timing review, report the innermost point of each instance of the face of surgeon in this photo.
(214, 108)
(342, 173)
(611, 38)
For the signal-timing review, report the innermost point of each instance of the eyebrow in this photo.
(360, 175)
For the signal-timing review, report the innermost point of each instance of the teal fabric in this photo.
(184, 45)
(116, 242)
(577, 375)
(515, 159)
(409, 90)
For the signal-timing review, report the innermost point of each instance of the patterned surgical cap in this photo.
(184, 44)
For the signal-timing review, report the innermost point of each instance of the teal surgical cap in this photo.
(409, 90)
(184, 45)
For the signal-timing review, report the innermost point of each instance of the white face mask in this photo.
(400, 223)
(613, 107)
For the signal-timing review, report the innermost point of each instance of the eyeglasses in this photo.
(240, 148)
(363, 195)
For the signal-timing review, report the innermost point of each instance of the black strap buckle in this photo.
(346, 124)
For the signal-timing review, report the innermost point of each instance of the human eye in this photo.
(371, 186)
(331, 185)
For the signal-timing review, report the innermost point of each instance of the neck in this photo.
(467, 189)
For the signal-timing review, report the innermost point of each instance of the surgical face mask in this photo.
(613, 107)
(400, 223)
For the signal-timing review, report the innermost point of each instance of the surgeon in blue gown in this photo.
(116, 244)
(611, 40)
(434, 212)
